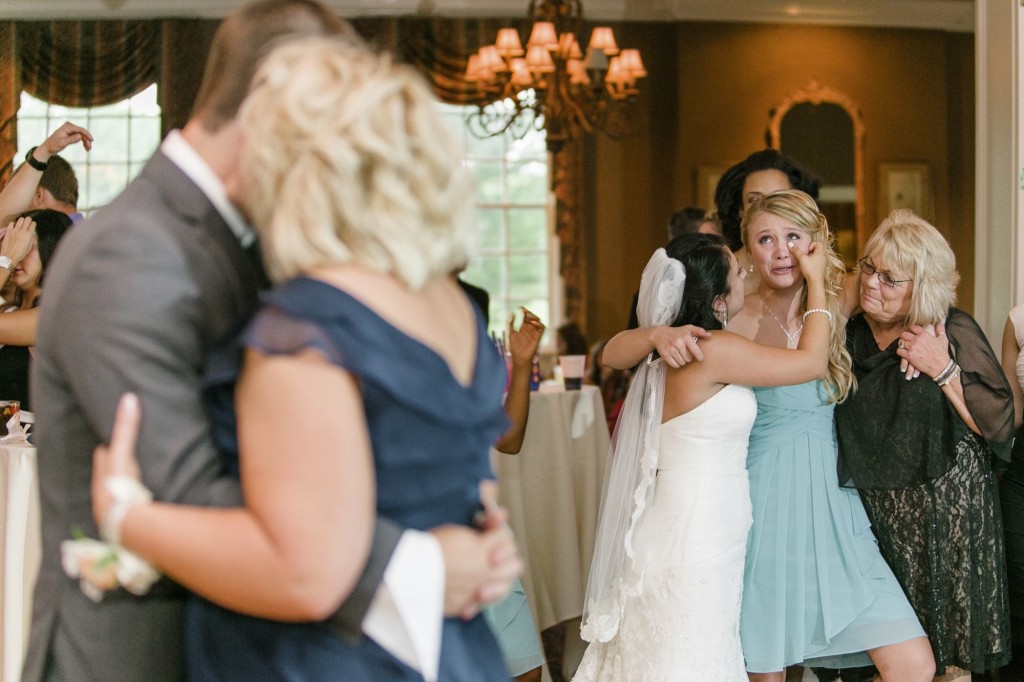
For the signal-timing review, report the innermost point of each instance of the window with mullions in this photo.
(125, 134)
(514, 217)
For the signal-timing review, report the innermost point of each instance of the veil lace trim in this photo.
(615, 572)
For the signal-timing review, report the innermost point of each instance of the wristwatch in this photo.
(6, 263)
(34, 162)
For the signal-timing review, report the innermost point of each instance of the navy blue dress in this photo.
(430, 437)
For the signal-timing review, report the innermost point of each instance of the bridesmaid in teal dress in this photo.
(816, 589)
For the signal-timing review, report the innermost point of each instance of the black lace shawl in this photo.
(895, 433)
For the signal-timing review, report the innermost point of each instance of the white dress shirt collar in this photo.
(176, 148)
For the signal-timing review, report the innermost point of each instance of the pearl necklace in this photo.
(791, 337)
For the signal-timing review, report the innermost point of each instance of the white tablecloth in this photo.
(552, 490)
(19, 563)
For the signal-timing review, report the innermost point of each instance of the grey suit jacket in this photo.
(134, 300)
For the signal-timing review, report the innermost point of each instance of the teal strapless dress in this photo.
(815, 589)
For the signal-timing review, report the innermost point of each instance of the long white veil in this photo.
(629, 483)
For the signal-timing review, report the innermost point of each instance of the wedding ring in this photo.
(901, 344)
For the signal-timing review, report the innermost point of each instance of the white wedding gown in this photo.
(684, 624)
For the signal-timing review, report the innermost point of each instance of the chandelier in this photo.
(552, 84)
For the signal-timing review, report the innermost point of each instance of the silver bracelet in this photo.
(944, 374)
(952, 375)
(827, 313)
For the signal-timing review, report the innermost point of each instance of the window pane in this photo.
(106, 180)
(144, 137)
(490, 222)
(527, 228)
(490, 187)
(512, 198)
(110, 140)
(527, 182)
(487, 272)
(528, 275)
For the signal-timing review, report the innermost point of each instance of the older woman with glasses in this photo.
(921, 449)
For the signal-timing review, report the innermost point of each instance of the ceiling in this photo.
(950, 15)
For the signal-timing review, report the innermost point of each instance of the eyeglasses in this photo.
(869, 269)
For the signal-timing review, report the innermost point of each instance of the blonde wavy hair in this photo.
(347, 160)
(800, 210)
(908, 243)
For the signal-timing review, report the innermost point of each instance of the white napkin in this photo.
(16, 433)
(582, 416)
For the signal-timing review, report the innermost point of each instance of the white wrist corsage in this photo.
(103, 566)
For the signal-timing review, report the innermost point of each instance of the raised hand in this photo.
(524, 342)
(18, 240)
(924, 348)
(812, 262)
(61, 138)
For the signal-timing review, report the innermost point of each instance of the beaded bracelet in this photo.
(827, 313)
(944, 374)
(952, 375)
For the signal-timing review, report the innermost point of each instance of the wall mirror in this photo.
(822, 129)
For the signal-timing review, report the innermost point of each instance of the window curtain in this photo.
(8, 100)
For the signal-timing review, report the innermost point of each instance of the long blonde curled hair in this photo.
(348, 161)
(800, 210)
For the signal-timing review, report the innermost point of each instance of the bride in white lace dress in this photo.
(663, 599)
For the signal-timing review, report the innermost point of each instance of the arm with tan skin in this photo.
(522, 345)
(929, 352)
(1008, 360)
(298, 546)
(18, 327)
(675, 345)
(17, 194)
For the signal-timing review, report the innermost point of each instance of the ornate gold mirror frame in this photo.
(816, 93)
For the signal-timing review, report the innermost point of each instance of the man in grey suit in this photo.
(142, 297)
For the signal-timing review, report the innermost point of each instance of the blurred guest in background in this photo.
(711, 224)
(46, 180)
(511, 619)
(570, 340)
(613, 383)
(921, 451)
(758, 175)
(686, 220)
(26, 250)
